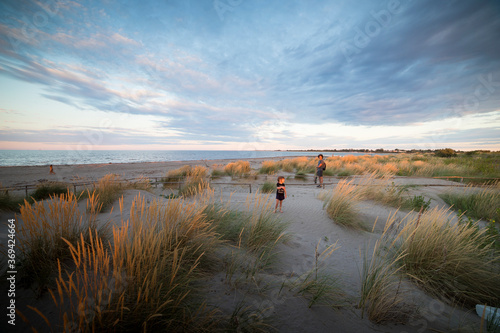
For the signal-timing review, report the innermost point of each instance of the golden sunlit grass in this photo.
(238, 169)
(177, 174)
(44, 224)
(107, 190)
(195, 181)
(145, 277)
(144, 280)
(270, 167)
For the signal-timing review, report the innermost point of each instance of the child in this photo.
(280, 193)
(319, 170)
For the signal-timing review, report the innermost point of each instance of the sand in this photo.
(308, 224)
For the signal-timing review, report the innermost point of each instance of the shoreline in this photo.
(27, 175)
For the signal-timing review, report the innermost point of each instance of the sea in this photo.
(72, 157)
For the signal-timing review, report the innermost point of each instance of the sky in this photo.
(249, 75)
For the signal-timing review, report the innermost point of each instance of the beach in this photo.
(310, 231)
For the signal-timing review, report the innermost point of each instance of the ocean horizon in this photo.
(74, 157)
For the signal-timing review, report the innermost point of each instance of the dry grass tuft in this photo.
(238, 169)
(144, 280)
(44, 225)
(446, 259)
(341, 204)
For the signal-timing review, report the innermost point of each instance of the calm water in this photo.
(69, 157)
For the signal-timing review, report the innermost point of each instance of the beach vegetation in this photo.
(178, 174)
(238, 169)
(269, 167)
(217, 171)
(453, 260)
(341, 204)
(145, 280)
(318, 286)
(381, 294)
(268, 187)
(10, 202)
(46, 190)
(195, 181)
(107, 190)
(447, 152)
(44, 225)
(43, 191)
(481, 203)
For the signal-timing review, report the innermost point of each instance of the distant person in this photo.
(280, 193)
(52, 170)
(319, 170)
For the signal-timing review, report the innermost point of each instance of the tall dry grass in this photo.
(238, 169)
(381, 294)
(44, 225)
(341, 204)
(269, 167)
(107, 190)
(177, 174)
(144, 281)
(445, 258)
(195, 181)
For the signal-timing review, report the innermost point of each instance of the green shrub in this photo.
(268, 187)
(416, 203)
(47, 190)
(447, 152)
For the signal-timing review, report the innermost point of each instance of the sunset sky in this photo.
(250, 74)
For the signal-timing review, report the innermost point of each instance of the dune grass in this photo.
(451, 261)
(144, 281)
(340, 204)
(10, 202)
(44, 224)
(483, 203)
(447, 259)
(238, 169)
(380, 294)
(316, 285)
(269, 167)
(177, 174)
(195, 181)
(107, 190)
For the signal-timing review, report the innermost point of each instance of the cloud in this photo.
(262, 67)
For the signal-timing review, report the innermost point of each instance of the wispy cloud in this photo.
(263, 70)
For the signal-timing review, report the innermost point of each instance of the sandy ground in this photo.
(308, 224)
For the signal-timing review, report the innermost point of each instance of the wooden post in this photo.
(250, 185)
(26, 190)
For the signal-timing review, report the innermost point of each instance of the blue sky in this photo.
(241, 74)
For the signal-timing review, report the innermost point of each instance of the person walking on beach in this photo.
(319, 169)
(51, 170)
(280, 193)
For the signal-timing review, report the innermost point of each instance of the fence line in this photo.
(156, 182)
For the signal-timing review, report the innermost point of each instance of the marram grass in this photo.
(143, 282)
(445, 258)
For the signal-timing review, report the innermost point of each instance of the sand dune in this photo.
(309, 225)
